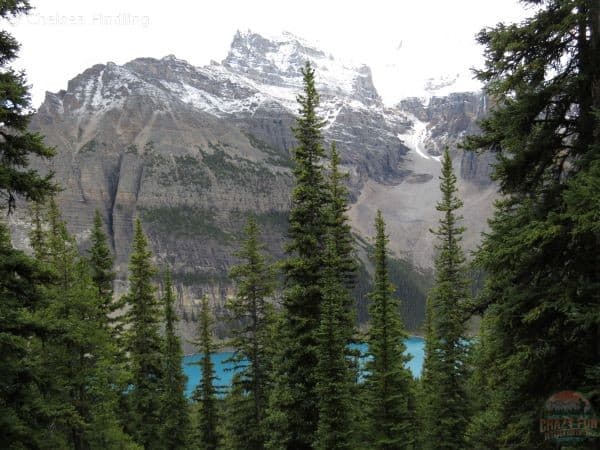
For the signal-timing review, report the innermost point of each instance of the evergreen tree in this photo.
(17, 143)
(444, 401)
(174, 408)
(339, 227)
(144, 345)
(336, 371)
(76, 357)
(238, 408)
(37, 235)
(253, 340)
(205, 394)
(294, 405)
(23, 413)
(541, 325)
(334, 374)
(101, 263)
(388, 382)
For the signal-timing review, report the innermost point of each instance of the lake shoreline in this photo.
(230, 349)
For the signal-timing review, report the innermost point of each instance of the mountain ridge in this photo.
(192, 150)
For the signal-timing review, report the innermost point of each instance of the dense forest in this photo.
(81, 369)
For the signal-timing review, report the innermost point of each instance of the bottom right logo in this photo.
(568, 417)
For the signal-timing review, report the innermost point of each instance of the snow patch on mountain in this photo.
(416, 137)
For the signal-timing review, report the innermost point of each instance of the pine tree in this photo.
(294, 405)
(238, 408)
(339, 226)
(253, 340)
(18, 144)
(334, 374)
(144, 345)
(101, 263)
(541, 325)
(205, 394)
(174, 408)
(23, 415)
(37, 235)
(388, 382)
(444, 401)
(76, 356)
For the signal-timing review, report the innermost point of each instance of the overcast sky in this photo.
(404, 42)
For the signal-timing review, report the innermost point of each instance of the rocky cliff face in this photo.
(193, 150)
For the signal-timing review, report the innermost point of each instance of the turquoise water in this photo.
(224, 371)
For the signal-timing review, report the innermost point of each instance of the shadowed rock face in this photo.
(193, 150)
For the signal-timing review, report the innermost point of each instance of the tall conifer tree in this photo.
(174, 407)
(444, 401)
(294, 405)
(335, 371)
(77, 355)
(144, 344)
(334, 377)
(253, 338)
(101, 263)
(23, 413)
(541, 325)
(205, 395)
(388, 383)
(18, 144)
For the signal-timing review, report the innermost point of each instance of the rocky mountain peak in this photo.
(277, 61)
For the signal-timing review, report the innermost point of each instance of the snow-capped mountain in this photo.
(193, 149)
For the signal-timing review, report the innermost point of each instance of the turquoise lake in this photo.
(224, 373)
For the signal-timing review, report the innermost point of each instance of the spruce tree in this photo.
(294, 405)
(388, 384)
(101, 263)
(18, 144)
(339, 226)
(205, 395)
(334, 375)
(444, 401)
(23, 414)
(335, 370)
(253, 338)
(174, 407)
(541, 325)
(144, 344)
(76, 356)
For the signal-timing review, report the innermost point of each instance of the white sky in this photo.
(404, 42)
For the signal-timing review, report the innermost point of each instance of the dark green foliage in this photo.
(541, 325)
(144, 344)
(388, 384)
(334, 375)
(205, 395)
(294, 404)
(76, 357)
(101, 264)
(174, 407)
(252, 340)
(411, 285)
(444, 403)
(23, 415)
(238, 408)
(17, 144)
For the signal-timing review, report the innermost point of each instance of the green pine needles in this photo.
(388, 384)
(444, 403)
